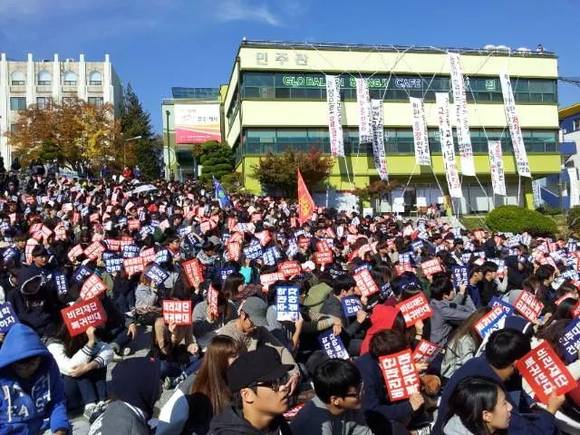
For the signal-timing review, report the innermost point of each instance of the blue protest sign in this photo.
(253, 251)
(7, 317)
(9, 253)
(130, 251)
(81, 273)
(183, 231)
(361, 267)
(146, 230)
(570, 341)
(162, 256)
(506, 307)
(156, 274)
(332, 345)
(61, 283)
(351, 305)
(113, 264)
(287, 303)
(386, 291)
(459, 276)
(225, 272)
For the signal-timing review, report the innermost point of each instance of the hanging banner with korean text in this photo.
(447, 147)
(363, 99)
(378, 130)
(334, 115)
(420, 137)
(460, 101)
(496, 167)
(513, 123)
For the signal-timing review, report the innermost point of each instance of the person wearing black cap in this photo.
(258, 382)
(34, 302)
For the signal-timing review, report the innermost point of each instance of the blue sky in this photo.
(157, 44)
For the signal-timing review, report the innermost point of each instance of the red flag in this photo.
(306, 205)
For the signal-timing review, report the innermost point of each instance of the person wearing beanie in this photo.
(135, 387)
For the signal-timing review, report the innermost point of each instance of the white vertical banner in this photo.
(378, 122)
(447, 146)
(365, 132)
(460, 101)
(334, 115)
(420, 136)
(513, 123)
(496, 167)
(573, 183)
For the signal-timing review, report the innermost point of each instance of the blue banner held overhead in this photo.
(220, 194)
(7, 317)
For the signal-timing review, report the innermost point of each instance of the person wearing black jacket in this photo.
(257, 380)
(488, 287)
(343, 286)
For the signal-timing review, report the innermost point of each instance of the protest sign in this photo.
(177, 312)
(506, 307)
(80, 316)
(351, 305)
(431, 267)
(545, 372)
(414, 309)
(490, 321)
(365, 282)
(7, 317)
(323, 258)
(459, 276)
(193, 272)
(113, 264)
(133, 265)
(289, 268)
(94, 250)
(333, 345)
(426, 351)
(61, 283)
(528, 306)
(401, 378)
(267, 279)
(287, 303)
(156, 274)
(148, 256)
(212, 300)
(570, 341)
(92, 287)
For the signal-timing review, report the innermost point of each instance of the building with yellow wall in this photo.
(276, 100)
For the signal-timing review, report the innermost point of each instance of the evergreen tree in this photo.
(217, 159)
(135, 121)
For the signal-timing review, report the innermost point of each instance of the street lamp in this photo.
(125, 143)
(167, 163)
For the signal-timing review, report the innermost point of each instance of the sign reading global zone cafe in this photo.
(313, 81)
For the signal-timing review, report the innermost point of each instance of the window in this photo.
(13, 128)
(70, 78)
(18, 78)
(576, 125)
(43, 102)
(69, 100)
(95, 78)
(96, 101)
(17, 103)
(44, 78)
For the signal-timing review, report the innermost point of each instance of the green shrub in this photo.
(549, 211)
(512, 219)
(574, 219)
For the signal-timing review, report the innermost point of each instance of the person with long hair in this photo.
(463, 344)
(478, 406)
(203, 394)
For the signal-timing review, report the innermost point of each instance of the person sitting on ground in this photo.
(479, 406)
(203, 394)
(259, 383)
(503, 349)
(250, 329)
(134, 390)
(335, 410)
(32, 398)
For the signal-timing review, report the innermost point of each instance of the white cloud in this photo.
(242, 10)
